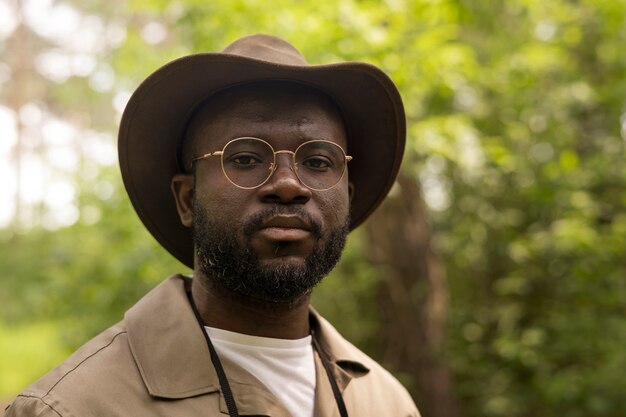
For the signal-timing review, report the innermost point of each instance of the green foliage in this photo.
(516, 131)
(87, 274)
(26, 351)
(532, 233)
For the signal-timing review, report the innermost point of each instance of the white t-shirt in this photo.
(286, 367)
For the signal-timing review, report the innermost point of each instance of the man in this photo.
(271, 162)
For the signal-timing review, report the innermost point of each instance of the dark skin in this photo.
(285, 118)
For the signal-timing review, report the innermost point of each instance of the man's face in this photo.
(275, 242)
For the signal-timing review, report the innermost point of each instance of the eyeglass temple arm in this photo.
(206, 155)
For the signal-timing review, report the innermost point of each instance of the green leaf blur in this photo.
(516, 132)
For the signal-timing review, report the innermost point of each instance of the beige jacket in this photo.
(156, 363)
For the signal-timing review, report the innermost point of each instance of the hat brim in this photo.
(154, 120)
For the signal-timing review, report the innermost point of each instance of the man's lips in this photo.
(285, 228)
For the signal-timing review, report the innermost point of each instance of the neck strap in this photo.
(217, 364)
(225, 386)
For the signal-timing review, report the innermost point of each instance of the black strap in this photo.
(333, 383)
(219, 369)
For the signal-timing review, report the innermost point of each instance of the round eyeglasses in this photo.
(249, 163)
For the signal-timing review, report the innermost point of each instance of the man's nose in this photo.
(284, 186)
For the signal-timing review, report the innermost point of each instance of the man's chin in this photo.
(272, 300)
(279, 283)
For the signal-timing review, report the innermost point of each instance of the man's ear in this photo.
(182, 187)
(350, 190)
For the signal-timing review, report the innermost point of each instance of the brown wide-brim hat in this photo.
(153, 125)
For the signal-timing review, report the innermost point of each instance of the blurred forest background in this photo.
(491, 282)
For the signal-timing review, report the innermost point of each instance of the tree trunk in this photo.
(21, 61)
(413, 299)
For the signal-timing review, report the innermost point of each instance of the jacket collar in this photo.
(168, 346)
(167, 343)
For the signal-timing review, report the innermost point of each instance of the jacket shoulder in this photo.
(85, 374)
(26, 406)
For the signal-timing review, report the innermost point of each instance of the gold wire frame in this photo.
(274, 165)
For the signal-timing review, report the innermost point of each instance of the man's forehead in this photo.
(257, 96)
(245, 108)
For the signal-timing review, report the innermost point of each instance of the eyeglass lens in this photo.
(249, 162)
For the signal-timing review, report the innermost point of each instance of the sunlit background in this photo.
(492, 282)
(43, 148)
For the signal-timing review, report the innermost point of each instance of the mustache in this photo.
(253, 224)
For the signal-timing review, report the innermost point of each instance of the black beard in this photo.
(235, 267)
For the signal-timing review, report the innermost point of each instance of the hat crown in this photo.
(266, 48)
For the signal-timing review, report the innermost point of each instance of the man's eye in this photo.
(317, 163)
(245, 160)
